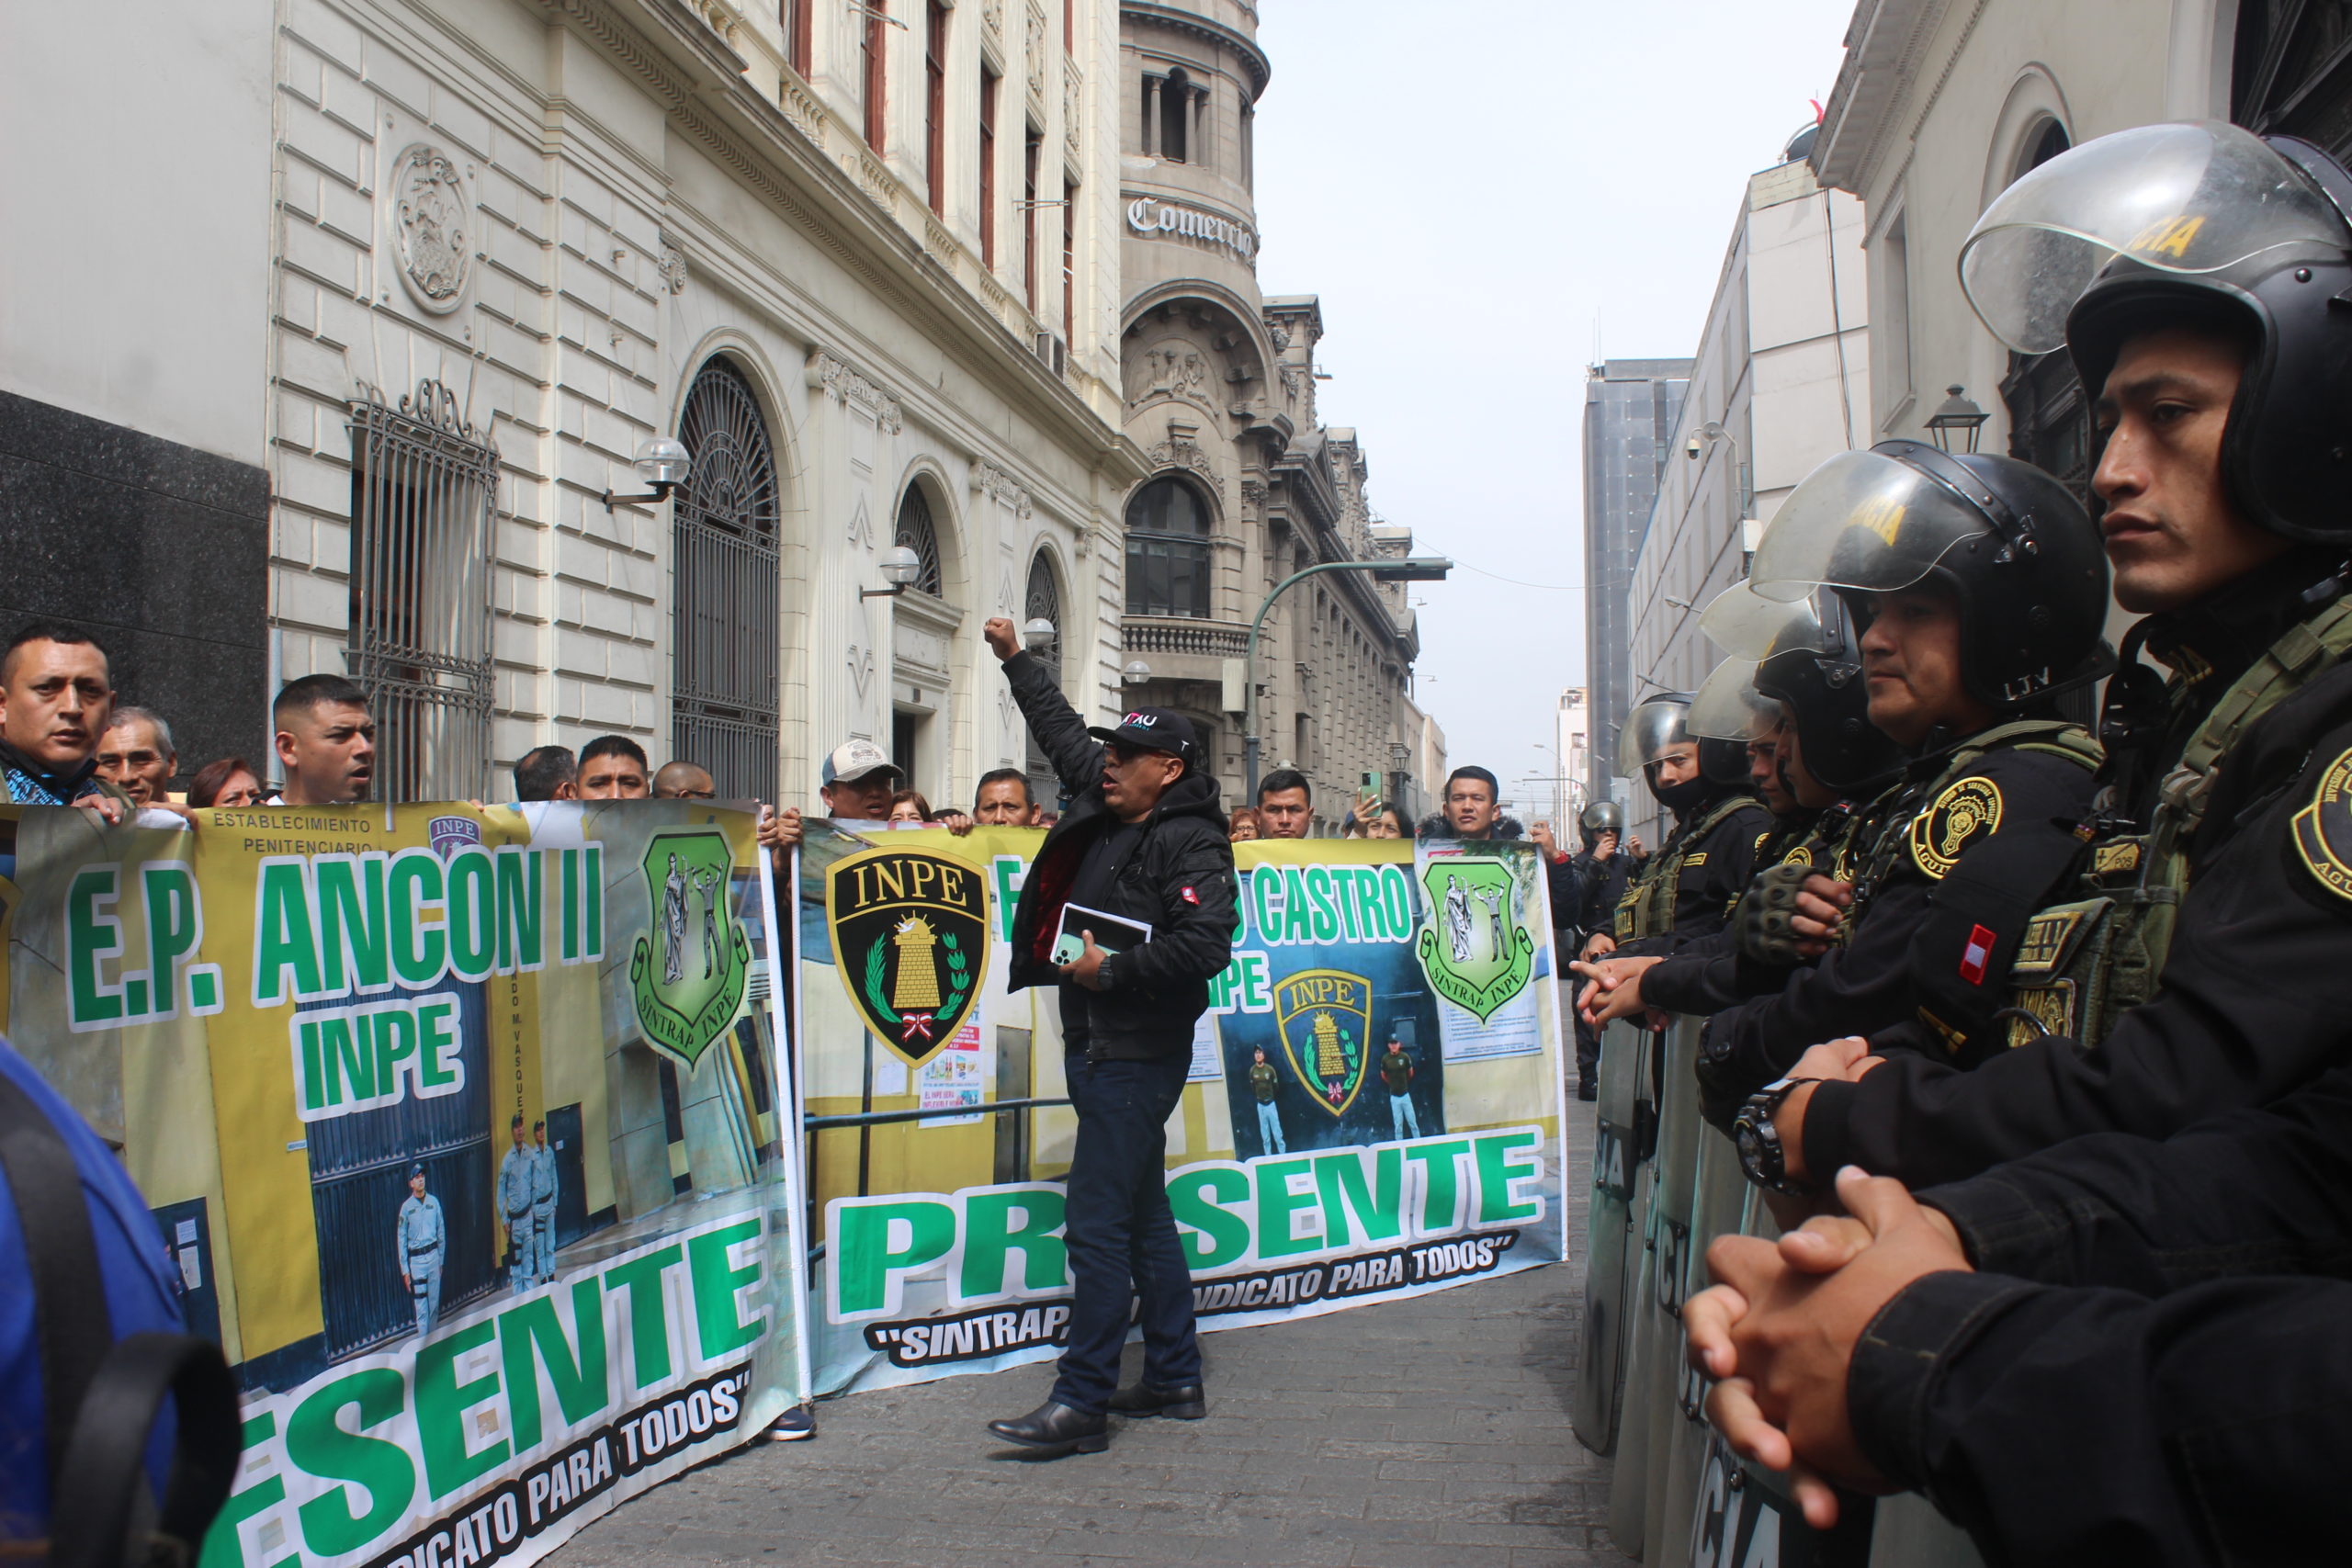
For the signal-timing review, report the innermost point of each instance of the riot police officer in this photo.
(1978, 592)
(2220, 889)
(420, 1243)
(1684, 891)
(1602, 866)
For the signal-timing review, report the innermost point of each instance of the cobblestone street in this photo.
(1429, 1431)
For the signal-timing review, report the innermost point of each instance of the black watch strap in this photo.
(1761, 1156)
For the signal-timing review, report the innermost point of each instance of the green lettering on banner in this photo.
(1216, 1236)
(1325, 921)
(1278, 1201)
(350, 1066)
(317, 1444)
(1354, 1208)
(174, 930)
(473, 914)
(1441, 1193)
(719, 1325)
(867, 1266)
(395, 1030)
(414, 888)
(649, 1319)
(436, 1024)
(990, 1239)
(353, 925)
(1297, 924)
(1498, 1171)
(531, 1336)
(441, 1405)
(1008, 871)
(285, 938)
(223, 1546)
(91, 935)
(521, 932)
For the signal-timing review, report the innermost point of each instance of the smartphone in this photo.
(1372, 785)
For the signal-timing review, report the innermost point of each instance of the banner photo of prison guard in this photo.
(1374, 1111)
(465, 1130)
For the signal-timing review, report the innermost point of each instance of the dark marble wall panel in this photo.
(160, 551)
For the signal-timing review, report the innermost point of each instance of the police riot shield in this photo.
(1637, 1403)
(1676, 1445)
(1609, 1257)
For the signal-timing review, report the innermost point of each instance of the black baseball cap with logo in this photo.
(1154, 729)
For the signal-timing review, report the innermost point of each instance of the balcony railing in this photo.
(1171, 634)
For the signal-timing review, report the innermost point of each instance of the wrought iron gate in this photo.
(723, 622)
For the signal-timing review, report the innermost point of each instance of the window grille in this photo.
(1168, 550)
(725, 588)
(423, 483)
(916, 532)
(1044, 602)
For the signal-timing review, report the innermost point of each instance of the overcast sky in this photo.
(1488, 197)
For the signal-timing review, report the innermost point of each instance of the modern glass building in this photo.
(1630, 409)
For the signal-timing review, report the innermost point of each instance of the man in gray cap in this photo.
(421, 1242)
(856, 783)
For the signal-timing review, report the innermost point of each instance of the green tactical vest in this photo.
(2085, 963)
(1881, 833)
(1647, 907)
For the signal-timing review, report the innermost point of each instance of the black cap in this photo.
(415, 1171)
(1154, 729)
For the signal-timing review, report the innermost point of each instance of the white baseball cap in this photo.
(852, 759)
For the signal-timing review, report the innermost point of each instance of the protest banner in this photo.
(467, 1132)
(1375, 1107)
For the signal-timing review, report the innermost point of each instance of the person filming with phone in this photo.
(1141, 851)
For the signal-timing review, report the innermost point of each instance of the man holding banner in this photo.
(1142, 842)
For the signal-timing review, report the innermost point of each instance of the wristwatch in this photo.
(1102, 978)
(1761, 1157)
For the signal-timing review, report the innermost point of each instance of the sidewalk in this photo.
(1429, 1432)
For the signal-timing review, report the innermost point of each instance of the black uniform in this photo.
(1915, 974)
(2116, 1385)
(1704, 978)
(2256, 990)
(1711, 869)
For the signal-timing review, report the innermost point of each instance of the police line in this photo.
(1664, 1185)
(468, 1131)
(1374, 1107)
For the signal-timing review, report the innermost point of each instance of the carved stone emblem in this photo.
(432, 228)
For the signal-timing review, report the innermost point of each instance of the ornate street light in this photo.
(1958, 417)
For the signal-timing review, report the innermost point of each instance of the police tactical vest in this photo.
(1647, 907)
(2087, 962)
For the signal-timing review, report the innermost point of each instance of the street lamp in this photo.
(1135, 673)
(663, 463)
(901, 567)
(1403, 568)
(1039, 635)
(1956, 417)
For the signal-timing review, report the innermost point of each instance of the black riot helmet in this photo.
(2195, 224)
(1603, 817)
(2006, 540)
(1790, 656)
(1658, 724)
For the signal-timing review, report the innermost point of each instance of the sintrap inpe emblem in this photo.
(2324, 830)
(910, 935)
(687, 975)
(1969, 810)
(1325, 1016)
(1475, 952)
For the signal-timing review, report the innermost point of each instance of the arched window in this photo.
(1168, 550)
(916, 532)
(1044, 602)
(725, 586)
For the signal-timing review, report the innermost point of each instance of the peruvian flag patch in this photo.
(1189, 895)
(1977, 954)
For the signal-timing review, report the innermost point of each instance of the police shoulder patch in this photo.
(1967, 811)
(1757, 847)
(1799, 854)
(2324, 830)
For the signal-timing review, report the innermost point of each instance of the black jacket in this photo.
(1181, 883)
(1603, 883)
(2120, 1384)
(2255, 989)
(1705, 976)
(1903, 960)
(1716, 868)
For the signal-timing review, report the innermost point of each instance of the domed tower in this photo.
(1219, 391)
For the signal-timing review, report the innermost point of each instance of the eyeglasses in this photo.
(1120, 754)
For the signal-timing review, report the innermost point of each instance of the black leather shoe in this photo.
(1183, 1402)
(1587, 1091)
(1054, 1431)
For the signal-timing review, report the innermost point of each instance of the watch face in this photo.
(1751, 1147)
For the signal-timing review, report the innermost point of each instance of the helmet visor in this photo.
(1603, 817)
(2182, 198)
(1747, 624)
(1651, 731)
(1862, 521)
(1729, 707)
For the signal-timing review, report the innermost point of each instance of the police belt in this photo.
(421, 1251)
(518, 1213)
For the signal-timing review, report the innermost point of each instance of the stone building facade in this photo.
(859, 259)
(1217, 384)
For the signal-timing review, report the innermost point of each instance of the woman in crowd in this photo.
(229, 782)
(910, 808)
(1244, 824)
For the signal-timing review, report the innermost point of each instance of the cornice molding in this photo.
(1260, 69)
(833, 374)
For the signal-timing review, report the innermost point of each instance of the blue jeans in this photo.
(1121, 1234)
(1401, 1116)
(1270, 1129)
